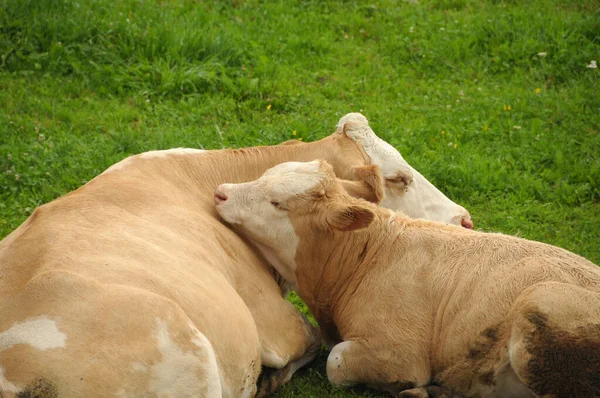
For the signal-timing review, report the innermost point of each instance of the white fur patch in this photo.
(249, 205)
(39, 332)
(272, 360)
(293, 167)
(336, 365)
(212, 371)
(177, 373)
(380, 152)
(423, 200)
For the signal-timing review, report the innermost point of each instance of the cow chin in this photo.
(229, 214)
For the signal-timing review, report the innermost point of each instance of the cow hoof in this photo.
(270, 380)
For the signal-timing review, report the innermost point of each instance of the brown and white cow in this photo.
(421, 307)
(132, 286)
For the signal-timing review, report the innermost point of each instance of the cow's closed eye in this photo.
(277, 205)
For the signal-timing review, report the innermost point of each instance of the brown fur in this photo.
(558, 355)
(369, 184)
(418, 301)
(143, 241)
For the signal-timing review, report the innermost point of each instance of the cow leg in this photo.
(351, 362)
(68, 336)
(271, 379)
(288, 340)
(80, 338)
(555, 340)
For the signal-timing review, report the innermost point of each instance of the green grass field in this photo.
(493, 101)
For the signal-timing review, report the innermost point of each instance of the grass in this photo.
(491, 100)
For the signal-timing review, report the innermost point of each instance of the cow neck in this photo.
(242, 165)
(331, 267)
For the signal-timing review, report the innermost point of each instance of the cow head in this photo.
(264, 209)
(405, 189)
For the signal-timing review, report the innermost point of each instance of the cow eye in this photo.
(278, 205)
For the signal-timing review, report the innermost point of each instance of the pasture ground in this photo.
(493, 101)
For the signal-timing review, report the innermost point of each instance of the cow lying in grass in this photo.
(418, 307)
(132, 286)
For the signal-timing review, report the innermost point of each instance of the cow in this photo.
(131, 285)
(419, 308)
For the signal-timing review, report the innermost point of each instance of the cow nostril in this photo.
(220, 196)
(467, 223)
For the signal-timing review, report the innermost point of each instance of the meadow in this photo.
(496, 102)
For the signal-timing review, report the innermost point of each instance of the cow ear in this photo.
(369, 184)
(350, 218)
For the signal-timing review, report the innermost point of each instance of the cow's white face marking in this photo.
(178, 373)
(39, 332)
(423, 200)
(406, 190)
(257, 207)
(392, 164)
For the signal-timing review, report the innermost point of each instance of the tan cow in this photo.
(132, 286)
(421, 307)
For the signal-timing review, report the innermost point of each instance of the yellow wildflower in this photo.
(538, 90)
(269, 107)
(455, 145)
(294, 132)
(300, 139)
(443, 132)
(506, 107)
